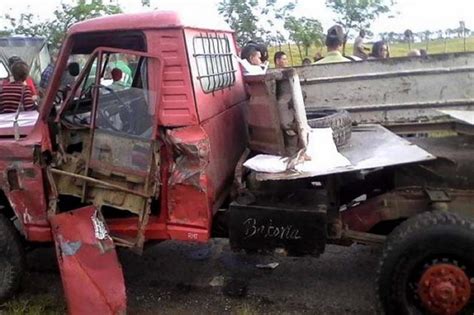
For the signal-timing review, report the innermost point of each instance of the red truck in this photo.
(158, 155)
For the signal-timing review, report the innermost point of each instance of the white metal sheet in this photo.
(25, 119)
(371, 146)
(466, 116)
(321, 154)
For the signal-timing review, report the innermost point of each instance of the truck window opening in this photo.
(214, 62)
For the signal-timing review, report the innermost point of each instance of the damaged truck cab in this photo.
(143, 134)
(142, 144)
(154, 151)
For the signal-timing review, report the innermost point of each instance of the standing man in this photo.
(47, 74)
(254, 57)
(250, 47)
(280, 59)
(359, 48)
(335, 38)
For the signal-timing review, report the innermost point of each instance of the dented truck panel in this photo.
(26, 194)
(189, 188)
(90, 271)
(22, 182)
(201, 170)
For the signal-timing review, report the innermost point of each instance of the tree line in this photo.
(251, 19)
(268, 21)
(410, 36)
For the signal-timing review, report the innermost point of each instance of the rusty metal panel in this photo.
(277, 120)
(392, 205)
(452, 169)
(265, 134)
(91, 273)
(392, 90)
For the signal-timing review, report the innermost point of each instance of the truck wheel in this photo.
(427, 266)
(338, 120)
(12, 259)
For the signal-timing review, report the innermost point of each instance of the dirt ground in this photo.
(178, 278)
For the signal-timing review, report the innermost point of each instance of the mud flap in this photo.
(91, 273)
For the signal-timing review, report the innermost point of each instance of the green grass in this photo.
(34, 305)
(396, 50)
(245, 309)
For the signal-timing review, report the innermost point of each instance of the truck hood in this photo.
(26, 122)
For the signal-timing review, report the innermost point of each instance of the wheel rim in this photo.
(444, 288)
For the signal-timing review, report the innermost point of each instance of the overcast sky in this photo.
(418, 15)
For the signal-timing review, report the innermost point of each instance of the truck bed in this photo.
(395, 90)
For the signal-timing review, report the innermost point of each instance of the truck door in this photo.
(107, 136)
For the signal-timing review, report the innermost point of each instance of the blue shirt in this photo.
(46, 76)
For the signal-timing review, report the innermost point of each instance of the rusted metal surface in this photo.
(362, 238)
(396, 89)
(402, 203)
(91, 273)
(239, 185)
(99, 182)
(398, 204)
(453, 168)
(371, 146)
(265, 133)
(444, 289)
(103, 190)
(276, 119)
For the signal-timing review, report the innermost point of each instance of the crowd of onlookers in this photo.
(257, 54)
(18, 92)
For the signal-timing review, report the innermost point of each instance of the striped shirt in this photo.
(11, 95)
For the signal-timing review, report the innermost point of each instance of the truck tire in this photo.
(12, 259)
(427, 266)
(338, 120)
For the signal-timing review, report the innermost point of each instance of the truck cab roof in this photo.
(148, 20)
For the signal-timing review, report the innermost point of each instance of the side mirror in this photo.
(73, 69)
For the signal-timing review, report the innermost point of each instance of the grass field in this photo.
(396, 50)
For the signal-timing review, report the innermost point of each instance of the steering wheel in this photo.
(107, 111)
(61, 95)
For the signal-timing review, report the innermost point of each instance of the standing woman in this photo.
(17, 93)
(29, 81)
(380, 50)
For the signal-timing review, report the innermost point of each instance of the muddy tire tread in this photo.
(12, 259)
